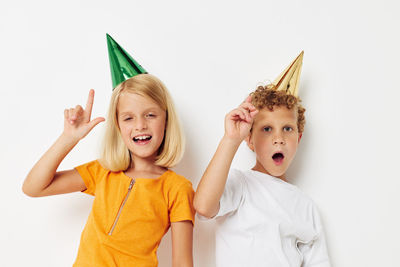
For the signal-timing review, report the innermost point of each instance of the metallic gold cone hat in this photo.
(122, 65)
(289, 79)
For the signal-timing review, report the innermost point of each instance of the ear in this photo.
(300, 135)
(249, 142)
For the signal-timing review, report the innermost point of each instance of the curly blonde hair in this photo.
(267, 97)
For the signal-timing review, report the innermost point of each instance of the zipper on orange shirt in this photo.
(122, 206)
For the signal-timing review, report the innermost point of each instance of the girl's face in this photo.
(142, 124)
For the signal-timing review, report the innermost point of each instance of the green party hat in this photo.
(122, 65)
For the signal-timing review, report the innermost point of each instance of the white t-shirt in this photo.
(264, 221)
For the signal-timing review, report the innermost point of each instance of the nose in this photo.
(278, 140)
(141, 124)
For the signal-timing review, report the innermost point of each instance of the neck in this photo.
(260, 168)
(145, 165)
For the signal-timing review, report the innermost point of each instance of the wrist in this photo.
(68, 139)
(231, 141)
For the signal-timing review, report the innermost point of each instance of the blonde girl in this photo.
(136, 196)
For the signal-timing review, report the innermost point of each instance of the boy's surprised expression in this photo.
(142, 124)
(274, 138)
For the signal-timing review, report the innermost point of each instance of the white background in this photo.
(210, 54)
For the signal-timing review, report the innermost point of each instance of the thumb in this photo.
(94, 122)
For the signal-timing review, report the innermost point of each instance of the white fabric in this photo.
(264, 221)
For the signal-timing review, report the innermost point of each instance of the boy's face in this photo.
(274, 138)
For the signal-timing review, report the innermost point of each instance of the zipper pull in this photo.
(131, 184)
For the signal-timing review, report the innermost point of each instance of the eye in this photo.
(151, 115)
(267, 129)
(127, 119)
(287, 129)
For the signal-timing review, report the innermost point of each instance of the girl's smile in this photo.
(142, 139)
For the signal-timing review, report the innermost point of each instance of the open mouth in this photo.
(142, 139)
(278, 158)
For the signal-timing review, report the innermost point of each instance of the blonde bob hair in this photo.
(116, 155)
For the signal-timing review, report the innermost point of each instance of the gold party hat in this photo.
(289, 79)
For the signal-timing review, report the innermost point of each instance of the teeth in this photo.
(142, 137)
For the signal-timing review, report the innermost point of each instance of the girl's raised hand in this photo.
(77, 123)
(238, 122)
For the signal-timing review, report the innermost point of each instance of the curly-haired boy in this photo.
(262, 219)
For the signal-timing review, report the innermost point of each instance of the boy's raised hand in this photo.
(238, 122)
(77, 123)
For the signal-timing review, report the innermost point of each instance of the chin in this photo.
(276, 173)
(143, 154)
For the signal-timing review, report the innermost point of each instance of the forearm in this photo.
(43, 172)
(212, 184)
(184, 261)
(182, 244)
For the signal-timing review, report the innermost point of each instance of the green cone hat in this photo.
(122, 65)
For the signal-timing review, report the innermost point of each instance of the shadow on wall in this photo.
(295, 173)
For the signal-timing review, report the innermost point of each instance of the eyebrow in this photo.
(124, 113)
(152, 109)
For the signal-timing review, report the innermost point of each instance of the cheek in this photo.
(263, 144)
(160, 127)
(125, 130)
(292, 145)
(163, 126)
(262, 139)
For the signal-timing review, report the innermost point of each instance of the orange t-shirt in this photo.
(130, 216)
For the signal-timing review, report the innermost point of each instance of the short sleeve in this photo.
(181, 203)
(233, 193)
(315, 253)
(90, 173)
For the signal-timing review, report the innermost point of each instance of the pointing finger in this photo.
(89, 103)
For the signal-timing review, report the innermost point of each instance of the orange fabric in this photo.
(144, 219)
